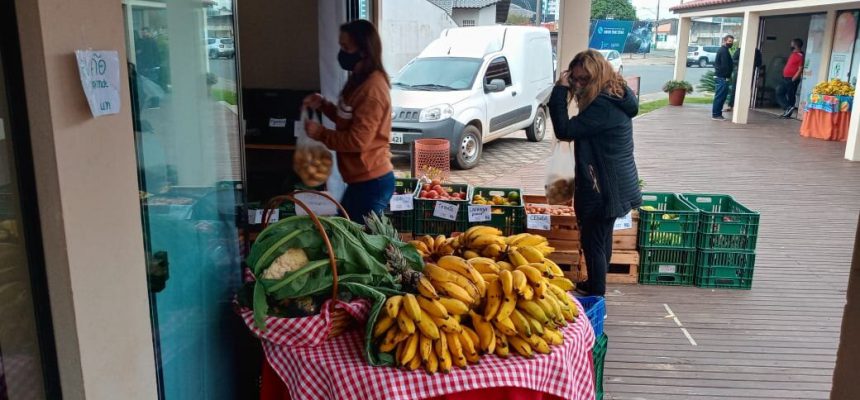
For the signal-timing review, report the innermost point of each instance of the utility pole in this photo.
(538, 12)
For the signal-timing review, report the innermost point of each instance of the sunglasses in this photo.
(579, 79)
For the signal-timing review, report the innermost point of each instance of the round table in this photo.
(827, 117)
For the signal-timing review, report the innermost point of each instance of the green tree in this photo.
(613, 9)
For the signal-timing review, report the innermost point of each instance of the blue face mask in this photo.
(348, 61)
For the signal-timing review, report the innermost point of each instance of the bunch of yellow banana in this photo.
(435, 247)
(482, 241)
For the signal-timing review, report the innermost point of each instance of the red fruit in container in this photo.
(423, 194)
(435, 182)
(426, 187)
(432, 195)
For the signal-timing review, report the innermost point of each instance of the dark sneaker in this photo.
(718, 118)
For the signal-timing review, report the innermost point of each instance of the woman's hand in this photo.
(313, 101)
(564, 79)
(314, 129)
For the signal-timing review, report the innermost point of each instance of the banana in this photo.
(484, 265)
(428, 326)
(410, 349)
(457, 292)
(469, 348)
(562, 283)
(538, 344)
(481, 230)
(470, 254)
(486, 334)
(429, 242)
(542, 268)
(540, 289)
(516, 258)
(528, 293)
(433, 307)
(400, 336)
(420, 246)
(532, 254)
(507, 281)
(445, 250)
(383, 323)
(494, 300)
(431, 365)
(521, 346)
(405, 323)
(533, 309)
(493, 250)
(513, 239)
(490, 278)
(505, 265)
(388, 345)
(449, 325)
(557, 309)
(460, 266)
(537, 327)
(546, 249)
(425, 347)
(441, 349)
(454, 306)
(483, 241)
(553, 268)
(456, 348)
(533, 275)
(473, 337)
(439, 241)
(503, 349)
(437, 273)
(426, 289)
(563, 297)
(392, 306)
(548, 309)
(519, 281)
(509, 304)
(414, 364)
(410, 304)
(506, 326)
(521, 324)
(529, 240)
(553, 337)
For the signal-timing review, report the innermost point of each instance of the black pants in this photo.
(786, 93)
(596, 237)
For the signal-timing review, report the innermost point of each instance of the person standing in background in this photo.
(733, 88)
(723, 67)
(786, 93)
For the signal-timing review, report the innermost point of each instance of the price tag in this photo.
(255, 217)
(625, 222)
(396, 137)
(274, 216)
(480, 213)
(401, 202)
(668, 269)
(277, 122)
(318, 204)
(446, 210)
(539, 222)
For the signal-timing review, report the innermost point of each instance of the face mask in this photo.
(348, 61)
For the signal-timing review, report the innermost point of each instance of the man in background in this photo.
(786, 93)
(723, 67)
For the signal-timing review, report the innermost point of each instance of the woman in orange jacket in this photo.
(362, 117)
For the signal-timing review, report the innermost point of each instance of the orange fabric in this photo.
(823, 125)
(362, 131)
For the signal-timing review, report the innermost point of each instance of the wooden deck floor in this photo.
(778, 340)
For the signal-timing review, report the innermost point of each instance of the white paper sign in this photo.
(318, 204)
(274, 216)
(2, 130)
(667, 269)
(625, 222)
(446, 210)
(401, 202)
(255, 217)
(99, 72)
(539, 222)
(480, 213)
(277, 122)
(299, 129)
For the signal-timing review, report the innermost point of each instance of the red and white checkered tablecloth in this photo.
(335, 369)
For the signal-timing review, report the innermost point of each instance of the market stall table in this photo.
(336, 369)
(827, 117)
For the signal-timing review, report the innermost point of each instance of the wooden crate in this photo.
(623, 267)
(569, 261)
(564, 232)
(627, 239)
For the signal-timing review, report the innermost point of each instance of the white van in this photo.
(474, 85)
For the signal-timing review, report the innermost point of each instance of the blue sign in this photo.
(610, 34)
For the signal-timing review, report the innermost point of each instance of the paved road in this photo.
(654, 76)
(224, 68)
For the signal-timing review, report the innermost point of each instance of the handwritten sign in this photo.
(667, 269)
(446, 210)
(299, 129)
(539, 222)
(255, 217)
(99, 71)
(277, 122)
(401, 202)
(318, 204)
(480, 213)
(274, 216)
(625, 222)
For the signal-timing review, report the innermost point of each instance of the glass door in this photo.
(183, 80)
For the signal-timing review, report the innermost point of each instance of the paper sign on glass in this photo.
(625, 222)
(446, 210)
(480, 213)
(318, 204)
(539, 222)
(99, 71)
(401, 202)
(277, 122)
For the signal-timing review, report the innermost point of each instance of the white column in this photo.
(572, 30)
(827, 46)
(746, 69)
(684, 25)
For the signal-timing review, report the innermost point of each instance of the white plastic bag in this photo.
(560, 173)
(312, 162)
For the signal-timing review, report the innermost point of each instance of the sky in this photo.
(647, 9)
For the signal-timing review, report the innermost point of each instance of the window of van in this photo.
(443, 73)
(499, 69)
(692, 49)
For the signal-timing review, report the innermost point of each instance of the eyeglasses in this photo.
(580, 79)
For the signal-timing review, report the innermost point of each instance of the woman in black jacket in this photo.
(606, 183)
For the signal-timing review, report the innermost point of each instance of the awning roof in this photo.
(702, 4)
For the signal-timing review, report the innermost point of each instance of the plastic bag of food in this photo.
(560, 173)
(312, 161)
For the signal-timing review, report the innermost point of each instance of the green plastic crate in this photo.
(403, 221)
(511, 219)
(724, 223)
(601, 345)
(675, 224)
(724, 269)
(427, 224)
(667, 267)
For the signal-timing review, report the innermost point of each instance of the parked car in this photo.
(614, 58)
(701, 55)
(474, 85)
(220, 47)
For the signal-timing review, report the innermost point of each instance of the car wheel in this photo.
(703, 62)
(689, 65)
(537, 130)
(213, 54)
(468, 152)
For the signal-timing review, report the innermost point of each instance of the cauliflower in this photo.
(291, 260)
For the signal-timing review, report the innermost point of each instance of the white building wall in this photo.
(671, 43)
(461, 15)
(407, 27)
(487, 16)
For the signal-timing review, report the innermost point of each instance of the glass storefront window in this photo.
(183, 76)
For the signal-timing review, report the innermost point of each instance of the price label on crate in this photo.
(668, 269)
(255, 217)
(446, 210)
(318, 204)
(539, 222)
(274, 216)
(625, 222)
(401, 202)
(480, 213)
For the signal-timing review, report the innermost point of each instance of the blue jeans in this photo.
(786, 93)
(363, 197)
(721, 92)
